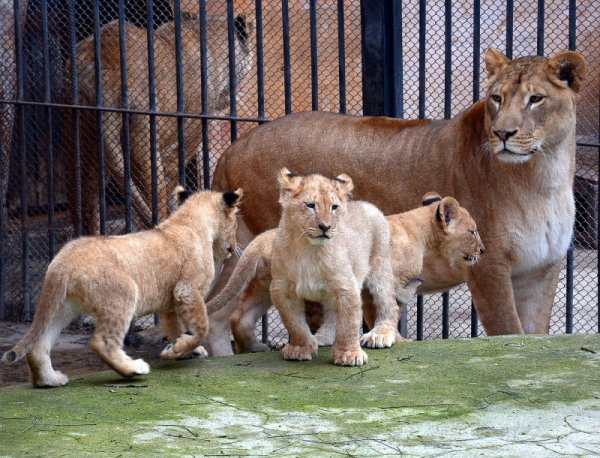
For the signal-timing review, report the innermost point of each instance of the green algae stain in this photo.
(253, 404)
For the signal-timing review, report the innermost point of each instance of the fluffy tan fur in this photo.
(168, 268)
(325, 250)
(166, 101)
(439, 233)
(509, 158)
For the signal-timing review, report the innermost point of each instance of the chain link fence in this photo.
(106, 105)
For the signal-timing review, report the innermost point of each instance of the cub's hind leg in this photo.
(108, 338)
(255, 303)
(42, 373)
(191, 310)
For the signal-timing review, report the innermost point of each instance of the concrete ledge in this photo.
(493, 396)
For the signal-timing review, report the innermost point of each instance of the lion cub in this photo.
(425, 242)
(325, 250)
(115, 278)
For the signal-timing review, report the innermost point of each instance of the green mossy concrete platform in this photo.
(489, 396)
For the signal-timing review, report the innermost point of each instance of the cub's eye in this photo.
(472, 232)
(310, 204)
(334, 207)
(536, 98)
(496, 98)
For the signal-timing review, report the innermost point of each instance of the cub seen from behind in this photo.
(169, 268)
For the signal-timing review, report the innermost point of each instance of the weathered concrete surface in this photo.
(518, 396)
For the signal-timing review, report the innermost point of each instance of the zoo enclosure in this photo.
(405, 59)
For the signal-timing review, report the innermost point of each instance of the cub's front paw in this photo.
(356, 357)
(298, 353)
(168, 353)
(379, 338)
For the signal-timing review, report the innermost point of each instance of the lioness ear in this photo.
(447, 210)
(232, 199)
(430, 198)
(568, 68)
(288, 183)
(344, 185)
(495, 61)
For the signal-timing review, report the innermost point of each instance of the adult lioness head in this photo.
(527, 102)
(314, 205)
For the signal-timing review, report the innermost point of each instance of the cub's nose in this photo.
(231, 249)
(324, 227)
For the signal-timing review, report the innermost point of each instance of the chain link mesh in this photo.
(44, 176)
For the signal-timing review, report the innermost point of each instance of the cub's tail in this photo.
(52, 296)
(245, 270)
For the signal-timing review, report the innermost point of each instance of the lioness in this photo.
(441, 233)
(509, 158)
(136, 45)
(115, 278)
(325, 249)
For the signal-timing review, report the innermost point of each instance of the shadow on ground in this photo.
(493, 396)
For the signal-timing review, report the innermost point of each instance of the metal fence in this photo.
(105, 105)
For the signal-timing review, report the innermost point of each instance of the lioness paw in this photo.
(140, 367)
(379, 338)
(349, 358)
(54, 379)
(295, 352)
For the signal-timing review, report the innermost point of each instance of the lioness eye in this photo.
(310, 204)
(496, 98)
(472, 232)
(536, 98)
(334, 207)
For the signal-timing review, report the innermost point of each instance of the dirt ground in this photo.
(71, 354)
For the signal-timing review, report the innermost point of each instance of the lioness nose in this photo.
(324, 227)
(505, 134)
(481, 250)
(230, 249)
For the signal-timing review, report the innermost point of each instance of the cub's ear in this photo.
(289, 183)
(245, 25)
(568, 68)
(430, 197)
(447, 211)
(495, 61)
(232, 199)
(344, 185)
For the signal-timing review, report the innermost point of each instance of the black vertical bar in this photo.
(445, 315)
(373, 57)
(204, 95)
(232, 70)
(260, 60)
(422, 56)
(419, 317)
(569, 292)
(540, 28)
(509, 28)
(448, 59)
(48, 137)
(265, 328)
(397, 70)
(474, 321)
(99, 117)
(152, 107)
(476, 49)
(572, 25)
(20, 115)
(2, 216)
(76, 118)
(341, 55)
(287, 65)
(314, 58)
(180, 93)
(126, 142)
